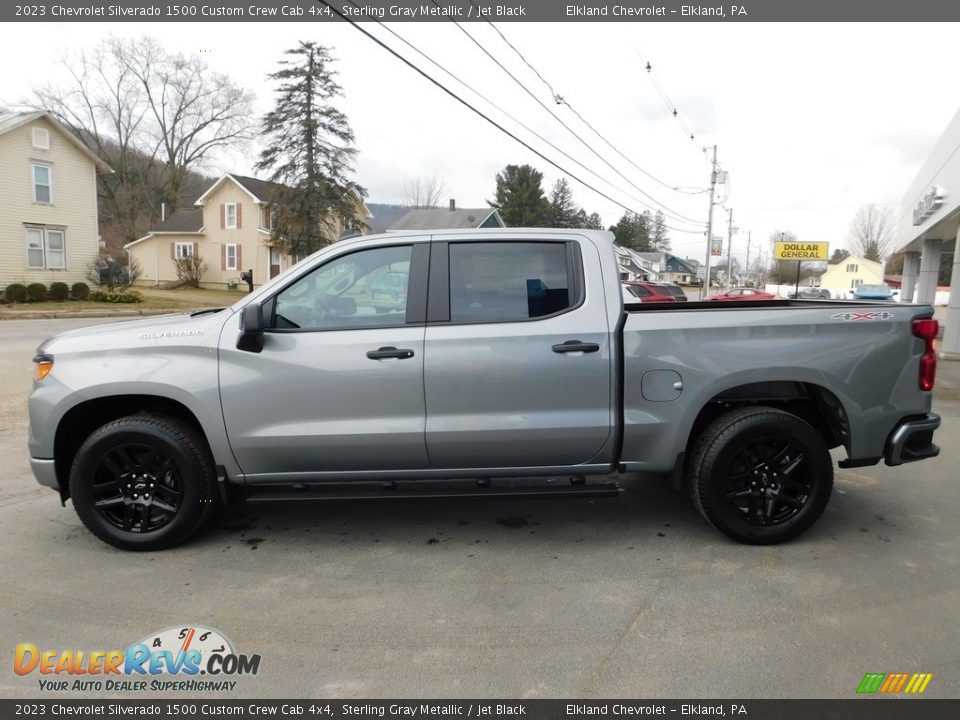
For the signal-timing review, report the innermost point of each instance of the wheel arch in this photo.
(813, 403)
(82, 419)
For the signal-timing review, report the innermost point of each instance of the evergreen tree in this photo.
(309, 148)
(660, 240)
(633, 231)
(563, 210)
(593, 222)
(519, 199)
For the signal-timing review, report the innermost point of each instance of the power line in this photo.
(666, 209)
(490, 120)
(668, 103)
(506, 113)
(560, 100)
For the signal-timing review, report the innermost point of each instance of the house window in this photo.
(41, 138)
(231, 216)
(42, 183)
(46, 248)
(183, 250)
(266, 218)
(231, 257)
(852, 267)
(856, 283)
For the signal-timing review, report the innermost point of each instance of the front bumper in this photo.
(45, 472)
(912, 440)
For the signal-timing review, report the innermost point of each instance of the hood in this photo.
(161, 330)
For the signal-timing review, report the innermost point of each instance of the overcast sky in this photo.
(812, 121)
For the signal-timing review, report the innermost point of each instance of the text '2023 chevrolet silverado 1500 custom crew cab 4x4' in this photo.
(501, 354)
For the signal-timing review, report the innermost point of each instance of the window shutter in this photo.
(266, 218)
(173, 251)
(223, 257)
(239, 259)
(223, 216)
(239, 216)
(196, 250)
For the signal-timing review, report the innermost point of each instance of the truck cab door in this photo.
(519, 362)
(338, 384)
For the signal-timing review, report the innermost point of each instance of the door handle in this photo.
(390, 352)
(576, 346)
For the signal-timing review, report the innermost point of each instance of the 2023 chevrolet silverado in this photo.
(502, 353)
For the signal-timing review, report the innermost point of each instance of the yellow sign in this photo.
(800, 250)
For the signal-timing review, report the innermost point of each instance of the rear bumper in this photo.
(912, 440)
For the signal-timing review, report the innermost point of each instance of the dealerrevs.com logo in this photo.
(170, 660)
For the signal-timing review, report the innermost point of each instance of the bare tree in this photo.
(424, 192)
(154, 116)
(872, 232)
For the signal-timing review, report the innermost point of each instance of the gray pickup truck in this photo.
(469, 357)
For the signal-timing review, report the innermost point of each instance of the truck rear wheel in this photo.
(760, 475)
(143, 482)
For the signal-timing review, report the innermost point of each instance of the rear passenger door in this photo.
(517, 356)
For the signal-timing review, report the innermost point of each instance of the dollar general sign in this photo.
(800, 251)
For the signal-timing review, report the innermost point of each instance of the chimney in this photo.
(453, 204)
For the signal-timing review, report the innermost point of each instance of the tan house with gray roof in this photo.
(48, 217)
(229, 227)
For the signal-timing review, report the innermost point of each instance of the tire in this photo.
(143, 482)
(760, 475)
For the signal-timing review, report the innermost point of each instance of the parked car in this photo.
(657, 291)
(513, 358)
(873, 292)
(744, 294)
(810, 293)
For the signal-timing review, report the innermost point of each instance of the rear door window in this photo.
(509, 281)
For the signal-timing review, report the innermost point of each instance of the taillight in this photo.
(927, 330)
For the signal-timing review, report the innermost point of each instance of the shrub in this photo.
(36, 292)
(80, 291)
(107, 296)
(59, 291)
(15, 293)
(190, 270)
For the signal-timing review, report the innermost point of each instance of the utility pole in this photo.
(730, 231)
(713, 187)
(749, 233)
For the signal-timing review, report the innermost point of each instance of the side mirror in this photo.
(251, 328)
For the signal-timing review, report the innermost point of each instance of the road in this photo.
(628, 597)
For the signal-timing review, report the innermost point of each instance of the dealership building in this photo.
(929, 227)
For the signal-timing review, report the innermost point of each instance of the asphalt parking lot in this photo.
(627, 597)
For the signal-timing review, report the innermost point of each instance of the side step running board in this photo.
(569, 491)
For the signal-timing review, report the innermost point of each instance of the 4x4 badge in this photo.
(881, 315)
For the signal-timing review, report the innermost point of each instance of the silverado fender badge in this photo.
(874, 315)
(169, 334)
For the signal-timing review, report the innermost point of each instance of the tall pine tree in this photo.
(633, 231)
(309, 149)
(519, 199)
(563, 210)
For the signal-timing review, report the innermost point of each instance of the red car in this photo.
(744, 294)
(647, 292)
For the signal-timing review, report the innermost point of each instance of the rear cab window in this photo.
(510, 281)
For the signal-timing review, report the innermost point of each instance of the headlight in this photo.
(42, 365)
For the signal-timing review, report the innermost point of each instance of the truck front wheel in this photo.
(760, 475)
(143, 482)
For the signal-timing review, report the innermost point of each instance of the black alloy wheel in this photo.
(144, 482)
(136, 488)
(760, 475)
